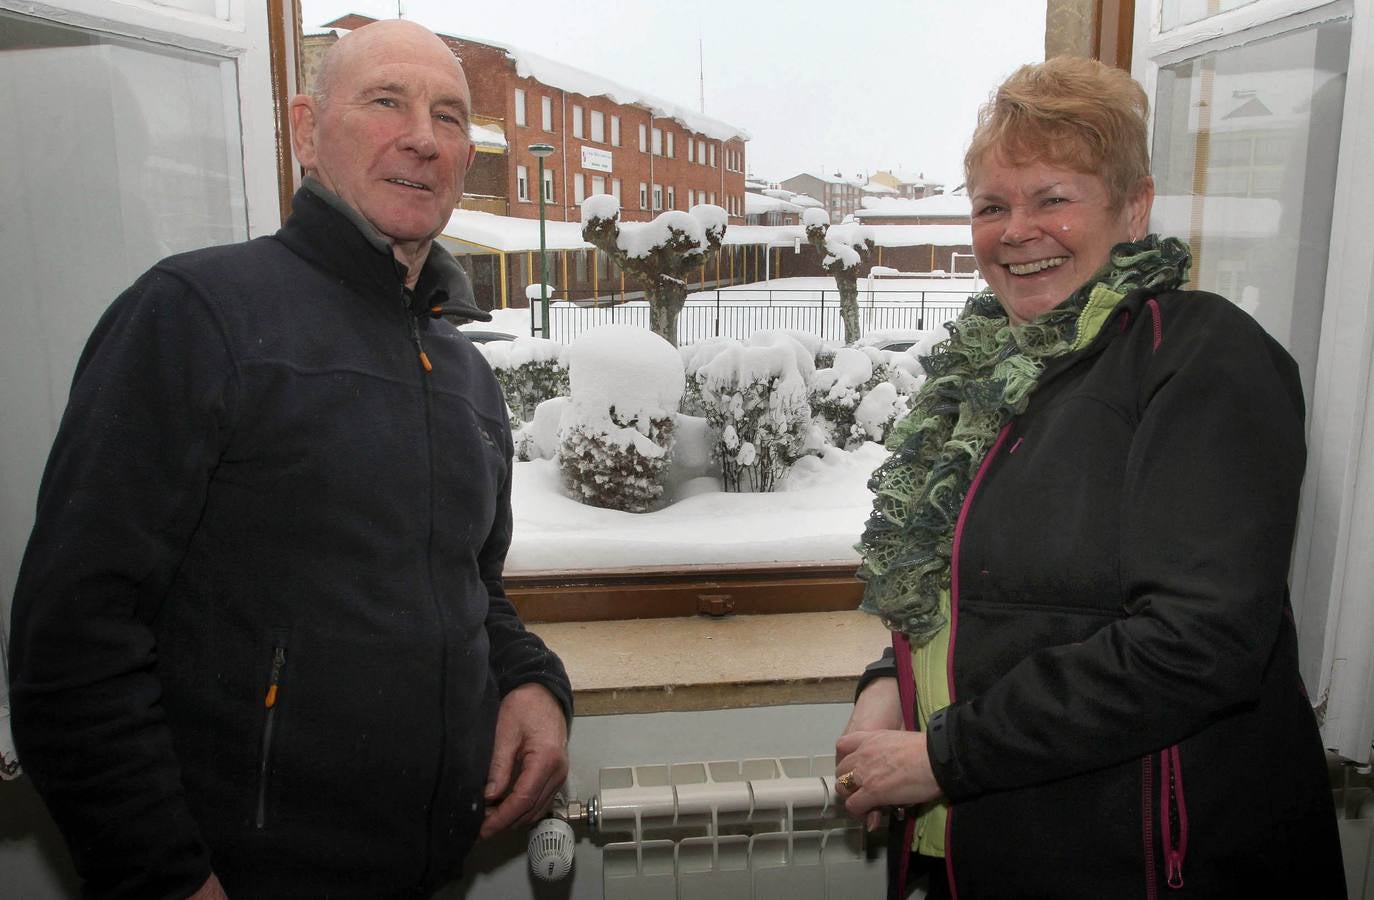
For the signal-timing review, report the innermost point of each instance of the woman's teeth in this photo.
(1031, 268)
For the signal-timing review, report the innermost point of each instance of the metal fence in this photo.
(740, 313)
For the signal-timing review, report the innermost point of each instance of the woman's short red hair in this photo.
(1070, 112)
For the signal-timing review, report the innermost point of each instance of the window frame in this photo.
(546, 112)
(521, 105)
(1332, 577)
(615, 131)
(522, 183)
(597, 131)
(577, 121)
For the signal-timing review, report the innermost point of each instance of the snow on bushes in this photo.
(616, 435)
(754, 396)
(530, 371)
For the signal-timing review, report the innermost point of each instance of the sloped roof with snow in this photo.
(940, 205)
(578, 81)
(758, 204)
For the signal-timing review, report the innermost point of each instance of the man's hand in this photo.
(878, 708)
(529, 759)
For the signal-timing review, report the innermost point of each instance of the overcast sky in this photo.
(818, 84)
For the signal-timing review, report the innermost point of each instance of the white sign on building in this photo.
(596, 160)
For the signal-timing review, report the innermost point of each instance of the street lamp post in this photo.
(541, 151)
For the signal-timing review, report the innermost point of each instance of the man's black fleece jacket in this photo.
(260, 626)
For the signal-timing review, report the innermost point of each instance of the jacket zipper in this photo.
(269, 723)
(954, 622)
(427, 387)
(1173, 818)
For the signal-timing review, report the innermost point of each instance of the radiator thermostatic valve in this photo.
(550, 850)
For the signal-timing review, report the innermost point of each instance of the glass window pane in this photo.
(1181, 12)
(116, 153)
(1257, 211)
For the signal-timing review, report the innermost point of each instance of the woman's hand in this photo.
(878, 708)
(889, 768)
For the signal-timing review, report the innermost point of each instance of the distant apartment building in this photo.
(608, 139)
(906, 185)
(839, 195)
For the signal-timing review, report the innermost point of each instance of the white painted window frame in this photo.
(237, 32)
(1333, 568)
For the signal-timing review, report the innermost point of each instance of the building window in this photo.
(546, 104)
(598, 184)
(580, 266)
(658, 197)
(658, 142)
(578, 188)
(713, 156)
(598, 127)
(672, 204)
(615, 189)
(519, 107)
(713, 198)
(690, 194)
(701, 152)
(548, 185)
(670, 145)
(643, 138)
(691, 148)
(522, 183)
(577, 121)
(615, 129)
(643, 195)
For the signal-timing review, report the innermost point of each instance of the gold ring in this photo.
(848, 782)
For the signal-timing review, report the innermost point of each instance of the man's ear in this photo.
(472, 157)
(303, 119)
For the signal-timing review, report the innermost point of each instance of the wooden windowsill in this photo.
(698, 663)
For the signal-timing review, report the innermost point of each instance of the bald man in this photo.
(261, 646)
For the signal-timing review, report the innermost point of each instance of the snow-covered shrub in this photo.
(538, 438)
(755, 399)
(530, 371)
(863, 393)
(616, 436)
(694, 356)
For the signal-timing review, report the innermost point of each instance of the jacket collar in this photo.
(330, 234)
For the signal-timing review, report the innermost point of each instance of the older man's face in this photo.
(391, 138)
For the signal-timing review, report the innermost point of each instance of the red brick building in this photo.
(607, 139)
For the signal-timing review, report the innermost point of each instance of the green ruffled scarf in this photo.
(977, 380)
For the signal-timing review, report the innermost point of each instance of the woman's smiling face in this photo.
(1040, 232)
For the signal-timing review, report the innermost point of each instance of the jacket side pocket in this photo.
(270, 700)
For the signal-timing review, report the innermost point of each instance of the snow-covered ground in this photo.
(818, 514)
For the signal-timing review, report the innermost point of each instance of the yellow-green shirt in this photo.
(928, 666)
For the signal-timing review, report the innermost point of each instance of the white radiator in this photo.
(758, 829)
(1355, 808)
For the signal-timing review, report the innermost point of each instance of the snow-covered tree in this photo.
(664, 252)
(616, 435)
(844, 249)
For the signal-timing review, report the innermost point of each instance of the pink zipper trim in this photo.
(906, 691)
(954, 624)
(1153, 304)
(1147, 823)
(1174, 854)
